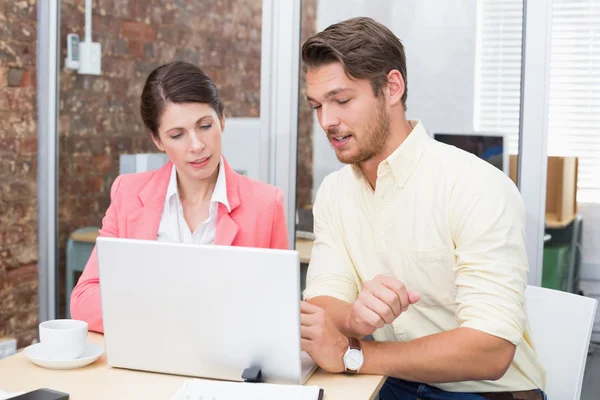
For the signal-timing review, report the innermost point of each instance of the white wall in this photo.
(439, 38)
(240, 142)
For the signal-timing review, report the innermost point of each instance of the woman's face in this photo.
(190, 134)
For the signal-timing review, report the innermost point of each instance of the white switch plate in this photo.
(90, 58)
(8, 347)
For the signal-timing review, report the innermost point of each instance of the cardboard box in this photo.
(561, 189)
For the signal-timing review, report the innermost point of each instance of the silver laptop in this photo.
(202, 311)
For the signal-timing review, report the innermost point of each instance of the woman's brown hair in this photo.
(177, 82)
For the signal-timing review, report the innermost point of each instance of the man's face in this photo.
(354, 119)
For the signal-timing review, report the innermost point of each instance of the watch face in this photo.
(353, 359)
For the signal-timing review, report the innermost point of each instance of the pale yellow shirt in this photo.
(447, 224)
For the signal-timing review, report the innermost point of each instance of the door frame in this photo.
(533, 128)
(279, 90)
(47, 86)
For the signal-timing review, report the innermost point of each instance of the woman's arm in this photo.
(85, 298)
(279, 231)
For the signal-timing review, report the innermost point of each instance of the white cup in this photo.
(63, 339)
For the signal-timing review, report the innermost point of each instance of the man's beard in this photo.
(371, 143)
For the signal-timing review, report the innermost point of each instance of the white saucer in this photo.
(91, 353)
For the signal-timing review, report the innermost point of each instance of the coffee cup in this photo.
(63, 339)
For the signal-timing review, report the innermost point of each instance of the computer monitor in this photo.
(491, 148)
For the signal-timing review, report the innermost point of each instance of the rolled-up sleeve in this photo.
(488, 228)
(330, 272)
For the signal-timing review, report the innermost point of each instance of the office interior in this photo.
(487, 76)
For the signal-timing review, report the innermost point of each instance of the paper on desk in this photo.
(5, 395)
(218, 390)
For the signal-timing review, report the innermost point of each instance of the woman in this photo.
(196, 197)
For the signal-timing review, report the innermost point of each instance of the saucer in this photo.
(35, 353)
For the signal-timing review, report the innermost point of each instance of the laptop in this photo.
(202, 311)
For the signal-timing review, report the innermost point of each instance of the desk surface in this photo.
(304, 246)
(99, 381)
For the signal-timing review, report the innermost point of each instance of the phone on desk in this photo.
(42, 394)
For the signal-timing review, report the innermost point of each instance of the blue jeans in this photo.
(397, 389)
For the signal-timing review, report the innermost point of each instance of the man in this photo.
(419, 244)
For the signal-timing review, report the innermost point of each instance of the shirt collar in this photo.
(403, 161)
(219, 194)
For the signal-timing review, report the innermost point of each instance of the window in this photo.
(574, 115)
(498, 69)
(574, 95)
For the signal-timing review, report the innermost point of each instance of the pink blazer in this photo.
(257, 219)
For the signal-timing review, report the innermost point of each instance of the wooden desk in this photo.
(87, 237)
(99, 381)
(304, 246)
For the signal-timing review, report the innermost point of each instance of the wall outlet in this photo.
(8, 347)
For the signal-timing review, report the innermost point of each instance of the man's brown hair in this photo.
(365, 48)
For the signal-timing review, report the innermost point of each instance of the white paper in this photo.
(200, 389)
(6, 395)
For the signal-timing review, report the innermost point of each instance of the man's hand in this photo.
(379, 302)
(321, 339)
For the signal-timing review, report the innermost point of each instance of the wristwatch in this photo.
(353, 358)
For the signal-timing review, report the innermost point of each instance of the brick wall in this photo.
(18, 169)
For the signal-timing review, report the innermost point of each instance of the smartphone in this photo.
(42, 394)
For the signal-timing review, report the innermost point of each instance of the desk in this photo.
(86, 237)
(304, 246)
(98, 381)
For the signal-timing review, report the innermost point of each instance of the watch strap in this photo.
(354, 343)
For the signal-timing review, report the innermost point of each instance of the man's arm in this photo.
(339, 311)
(461, 354)
(331, 274)
(379, 302)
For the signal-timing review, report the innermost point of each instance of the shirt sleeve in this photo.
(331, 271)
(488, 228)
